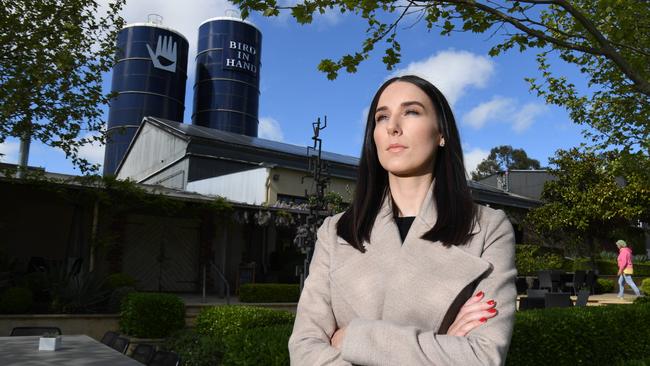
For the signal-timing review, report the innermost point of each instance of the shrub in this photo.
(642, 300)
(269, 292)
(151, 315)
(117, 280)
(531, 258)
(221, 321)
(593, 335)
(16, 300)
(604, 286)
(195, 349)
(258, 346)
(645, 286)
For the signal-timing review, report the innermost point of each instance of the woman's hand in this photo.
(337, 338)
(472, 314)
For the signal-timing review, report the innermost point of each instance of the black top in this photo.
(404, 224)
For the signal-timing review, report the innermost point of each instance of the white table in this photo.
(75, 350)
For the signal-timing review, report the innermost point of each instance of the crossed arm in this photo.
(378, 342)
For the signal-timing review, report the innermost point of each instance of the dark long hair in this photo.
(453, 198)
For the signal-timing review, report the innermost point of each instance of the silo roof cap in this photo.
(232, 19)
(153, 25)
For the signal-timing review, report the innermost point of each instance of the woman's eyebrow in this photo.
(404, 104)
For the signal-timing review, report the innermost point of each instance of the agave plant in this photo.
(75, 291)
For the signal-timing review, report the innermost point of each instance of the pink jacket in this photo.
(624, 258)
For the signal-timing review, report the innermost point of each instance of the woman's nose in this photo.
(393, 126)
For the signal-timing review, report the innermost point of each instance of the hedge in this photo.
(269, 292)
(195, 349)
(609, 266)
(604, 286)
(259, 346)
(531, 258)
(222, 321)
(151, 315)
(594, 335)
(645, 286)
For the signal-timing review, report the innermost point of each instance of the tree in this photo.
(503, 158)
(52, 56)
(608, 41)
(593, 195)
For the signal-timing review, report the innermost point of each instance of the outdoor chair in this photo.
(545, 280)
(558, 300)
(34, 331)
(583, 297)
(537, 293)
(590, 281)
(109, 338)
(143, 353)
(120, 344)
(579, 277)
(164, 358)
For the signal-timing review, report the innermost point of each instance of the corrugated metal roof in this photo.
(256, 142)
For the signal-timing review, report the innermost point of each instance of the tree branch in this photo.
(641, 83)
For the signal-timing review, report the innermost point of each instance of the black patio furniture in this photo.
(583, 297)
(164, 358)
(109, 337)
(34, 331)
(577, 282)
(558, 300)
(546, 280)
(143, 353)
(590, 281)
(120, 344)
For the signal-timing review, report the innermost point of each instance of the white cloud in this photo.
(497, 107)
(329, 17)
(270, 129)
(93, 152)
(183, 16)
(473, 158)
(453, 72)
(525, 117)
(504, 110)
(9, 151)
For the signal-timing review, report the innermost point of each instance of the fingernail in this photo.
(491, 302)
(493, 310)
(483, 320)
(480, 293)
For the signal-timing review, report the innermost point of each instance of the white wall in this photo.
(248, 186)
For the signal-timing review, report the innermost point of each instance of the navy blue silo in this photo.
(226, 90)
(149, 76)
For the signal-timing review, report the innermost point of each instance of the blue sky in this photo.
(489, 96)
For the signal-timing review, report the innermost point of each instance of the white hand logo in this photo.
(165, 56)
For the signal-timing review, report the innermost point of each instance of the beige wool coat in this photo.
(398, 300)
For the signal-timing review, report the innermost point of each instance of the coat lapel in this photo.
(415, 283)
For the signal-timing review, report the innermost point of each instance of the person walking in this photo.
(625, 269)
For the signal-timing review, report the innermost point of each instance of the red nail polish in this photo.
(493, 310)
(483, 320)
(480, 293)
(491, 302)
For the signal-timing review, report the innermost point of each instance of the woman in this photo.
(625, 269)
(413, 273)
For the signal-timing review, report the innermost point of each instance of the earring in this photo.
(442, 143)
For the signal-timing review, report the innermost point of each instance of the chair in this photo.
(536, 293)
(558, 300)
(527, 303)
(34, 331)
(583, 297)
(578, 281)
(545, 280)
(590, 281)
(556, 279)
(164, 358)
(109, 337)
(143, 353)
(120, 344)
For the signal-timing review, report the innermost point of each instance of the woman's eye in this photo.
(412, 111)
(380, 118)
